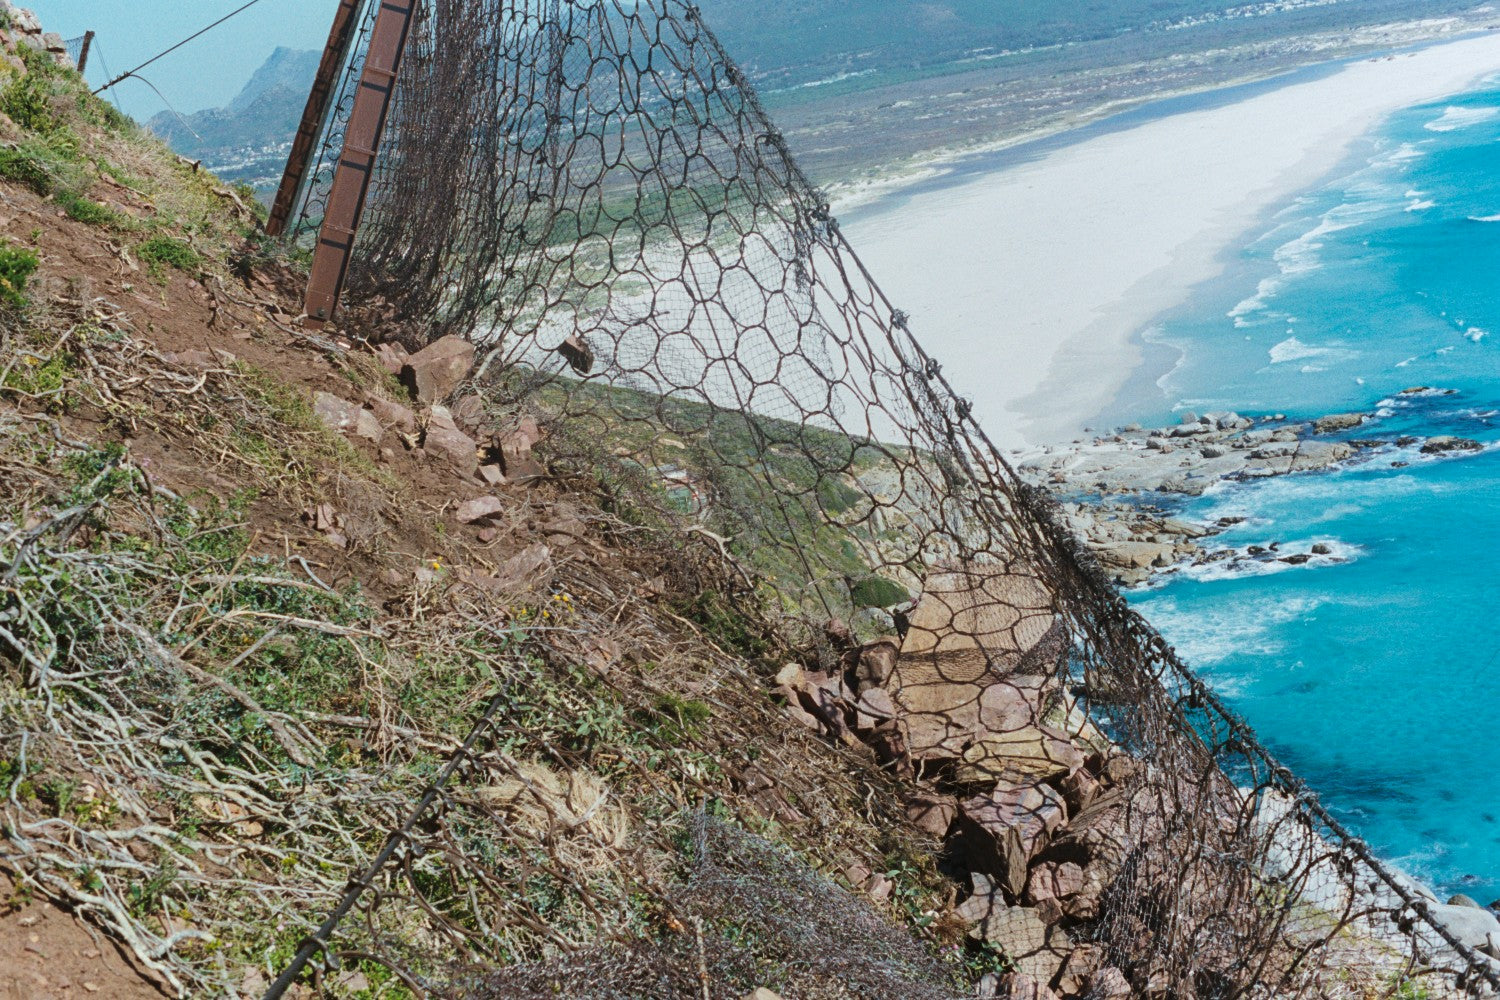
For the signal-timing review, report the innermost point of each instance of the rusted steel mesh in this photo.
(600, 177)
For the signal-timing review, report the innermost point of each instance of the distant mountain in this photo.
(809, 57)
(247, 140)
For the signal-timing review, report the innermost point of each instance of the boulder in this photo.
(874, 663)
(1078, 968)
(1029, 753)
(478, 509)
(874, 708)
(980, 641)
(452, 445)
(1054, 880)
(392, 357)
(931, 813)
(1446, 443)
(335, 413)
(1036, 950)
(1338, 422)
(367, 426)
(393, 416)
(1003, 829)
(436, 370)
(1460, 899)
(1109, 983)
(1472, 925)
(1134, 554)
(577, 353)
(515, 446)
(1020, 986)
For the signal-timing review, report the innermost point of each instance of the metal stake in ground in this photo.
(356, 167)
(315, 114)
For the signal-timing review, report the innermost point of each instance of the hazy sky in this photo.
(205, 74)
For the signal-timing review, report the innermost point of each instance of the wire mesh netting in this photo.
(592, 193)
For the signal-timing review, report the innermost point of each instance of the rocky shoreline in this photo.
(1117, 491)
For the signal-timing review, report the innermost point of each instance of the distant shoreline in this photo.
(1032, 271)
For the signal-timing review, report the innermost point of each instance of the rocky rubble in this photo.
(1115, 487)
(1001, 765)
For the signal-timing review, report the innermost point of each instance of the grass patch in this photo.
(162, 252)
(17, 265)
(88, 211)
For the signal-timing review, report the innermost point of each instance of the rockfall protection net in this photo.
(602, 173)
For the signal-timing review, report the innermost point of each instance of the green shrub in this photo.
(877, 592)
(28, 102)
(17, 265)
(161, 252)
(87, 210)
(25, 167)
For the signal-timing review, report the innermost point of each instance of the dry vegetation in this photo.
(211, 718)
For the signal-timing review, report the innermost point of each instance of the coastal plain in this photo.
(1050, 270)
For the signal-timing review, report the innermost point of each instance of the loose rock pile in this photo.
(1002, 766)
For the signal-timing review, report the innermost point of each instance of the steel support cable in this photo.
(319, 939)
(163, 54)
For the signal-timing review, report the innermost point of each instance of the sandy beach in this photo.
(1032, 283)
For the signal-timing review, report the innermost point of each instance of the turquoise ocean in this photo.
(1378, 679)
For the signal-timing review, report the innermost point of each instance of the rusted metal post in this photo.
(554, 77)
(356, 166)
(83, 53)
(315, 115)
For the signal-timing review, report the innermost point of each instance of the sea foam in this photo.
(1455, 118)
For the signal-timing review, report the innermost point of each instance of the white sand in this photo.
(1031, 283)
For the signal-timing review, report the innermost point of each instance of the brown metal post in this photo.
(340, 37)
(356, 167)
(83, 53)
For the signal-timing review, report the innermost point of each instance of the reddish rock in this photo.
(874, 663)
(1030, 753)
(436, 370)
(1109, 983)
(837, 632)
(1078, 968)
(932, 814)
(478, 509)
(469, 413)
(1079, 788)
(790, 675)
(578, 354)
(1037, 950)
(1118, 769)
(515, 451)
(890, 749)
(368, 427)
(1020, 986)
(529, 571)
(392, 357)
(454, 447)
(1004, 829)
(491, 474)
(874, 708)
(334, 412)
(393, 416)
(1054, 880)
(798, 714)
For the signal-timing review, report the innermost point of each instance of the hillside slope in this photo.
(241, 630)
(296, 624)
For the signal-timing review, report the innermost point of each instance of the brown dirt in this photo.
(45, 953)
